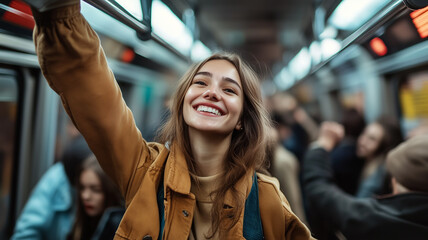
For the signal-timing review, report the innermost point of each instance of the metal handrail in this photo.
(366, 31)
(117, 13)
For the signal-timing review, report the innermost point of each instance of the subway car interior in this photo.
(329, 55)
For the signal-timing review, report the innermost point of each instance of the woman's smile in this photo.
(209, 109)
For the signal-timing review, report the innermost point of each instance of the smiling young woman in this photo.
(237, 136)
(198, 181)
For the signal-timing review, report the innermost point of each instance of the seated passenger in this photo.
(402, 215)
(96, 194)
(49, 212)
(373, 144)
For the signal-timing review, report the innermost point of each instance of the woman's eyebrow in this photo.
(208, 74)
(228, 79)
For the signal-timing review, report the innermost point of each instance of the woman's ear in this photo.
(238, 126)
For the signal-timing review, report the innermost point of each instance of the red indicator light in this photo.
(127, 55)
(378, 47)
(19, 13)
(420, 20)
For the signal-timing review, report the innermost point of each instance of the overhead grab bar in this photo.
(117, 13)
(393, 10)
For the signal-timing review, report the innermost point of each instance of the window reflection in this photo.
(133, 7)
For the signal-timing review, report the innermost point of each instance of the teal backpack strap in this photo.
(253, 229)
(161, 208)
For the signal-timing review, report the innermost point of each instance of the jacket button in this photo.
(185, 213)
(147, 237)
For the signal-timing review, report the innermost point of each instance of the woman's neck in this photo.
(209, 151)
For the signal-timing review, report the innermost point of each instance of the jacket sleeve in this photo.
(347, 213)
(75, 66)
(278, 220)
(295, 229)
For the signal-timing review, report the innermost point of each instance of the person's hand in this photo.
(46, 5)
(330, 134)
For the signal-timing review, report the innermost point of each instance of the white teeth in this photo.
(202, 108)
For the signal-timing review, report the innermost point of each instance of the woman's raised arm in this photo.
(74, 64)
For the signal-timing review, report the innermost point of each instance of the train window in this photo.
(133, 7)
(8, 121)
(66, 132)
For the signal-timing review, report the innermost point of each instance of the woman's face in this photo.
(91, 193)
(214, 100)
(369, 140)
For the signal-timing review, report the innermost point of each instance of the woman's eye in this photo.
(96, 189)
(230, 90)
(199, 83)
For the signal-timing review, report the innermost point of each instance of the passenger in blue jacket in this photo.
(49, 212)
(401, 215)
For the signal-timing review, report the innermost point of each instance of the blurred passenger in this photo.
(49, 212)
(401, 215)
(285, 167)
(303, 128)
(346, 168)
(96, 194)
(346, 164)
(373, 144)
(203, 169)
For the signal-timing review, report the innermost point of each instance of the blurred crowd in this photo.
(342, 178)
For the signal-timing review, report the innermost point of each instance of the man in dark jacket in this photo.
(401, 215)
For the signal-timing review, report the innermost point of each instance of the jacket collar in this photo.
(177, 176)
(243, 186)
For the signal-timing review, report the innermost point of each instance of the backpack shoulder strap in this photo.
(253, 229)
(161, 208)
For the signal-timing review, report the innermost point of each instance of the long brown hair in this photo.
(391, 135)
(248, 146)
(84, 226)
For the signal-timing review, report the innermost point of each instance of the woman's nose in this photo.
(86, 194)
(212, 94)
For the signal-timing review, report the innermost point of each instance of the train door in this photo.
(9, 100)
(17, 124)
